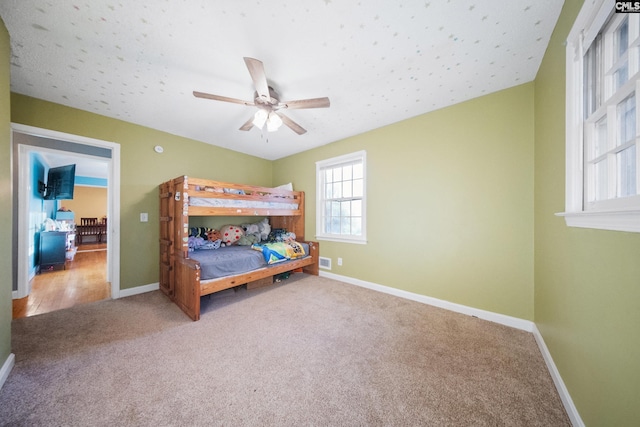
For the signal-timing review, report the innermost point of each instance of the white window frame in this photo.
(320, 199)
(621, 214)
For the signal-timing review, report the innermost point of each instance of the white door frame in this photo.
(113, 203)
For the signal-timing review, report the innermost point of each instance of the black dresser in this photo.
(53, 249)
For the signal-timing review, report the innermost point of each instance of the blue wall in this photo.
(37, 208)
(92, 182)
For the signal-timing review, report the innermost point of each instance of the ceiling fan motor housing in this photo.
(274, 98)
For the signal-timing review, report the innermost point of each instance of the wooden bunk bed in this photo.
(180, 275)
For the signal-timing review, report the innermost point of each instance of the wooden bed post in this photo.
(188, 286)
(314, 251)
(181, 209)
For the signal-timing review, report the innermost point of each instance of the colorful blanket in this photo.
(280, 251)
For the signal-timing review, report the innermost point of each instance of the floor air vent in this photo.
(325, 263)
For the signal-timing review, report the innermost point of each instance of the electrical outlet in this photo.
(339, 261)
(144, 217)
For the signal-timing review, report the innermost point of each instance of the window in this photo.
(341, 190)
(603, 138)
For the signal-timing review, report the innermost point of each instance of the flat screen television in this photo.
(60, 182)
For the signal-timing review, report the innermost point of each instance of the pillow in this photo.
(231, 234)
(288, 186)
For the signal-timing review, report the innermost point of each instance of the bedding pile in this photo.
(236, 259)
(221, 257)
(280, 251)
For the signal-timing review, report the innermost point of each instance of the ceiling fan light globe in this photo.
(273, 122)
(260, 118)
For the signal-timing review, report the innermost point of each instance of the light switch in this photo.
(144, 217)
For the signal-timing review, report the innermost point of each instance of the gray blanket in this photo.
(215, 263)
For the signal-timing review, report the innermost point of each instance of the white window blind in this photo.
(341, 201)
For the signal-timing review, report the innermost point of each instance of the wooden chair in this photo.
(89, 227)
(103, 230)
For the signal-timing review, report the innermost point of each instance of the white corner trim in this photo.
(137, 290)
(513, 322)
(571, 409)
(7, 366)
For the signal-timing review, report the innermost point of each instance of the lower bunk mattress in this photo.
(230, 260)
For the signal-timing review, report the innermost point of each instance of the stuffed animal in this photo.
(195, 242)
(248, 240)
(200, 243)
(259, 229)
(264, 228)
(251, 230)
(213, 235)
(231, 234)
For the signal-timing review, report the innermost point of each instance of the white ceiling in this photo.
(378, 61)
(88, 167)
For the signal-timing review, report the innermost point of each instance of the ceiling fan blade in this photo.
(290, 123)
(221, 98)
(248, 125)
(256, 69)
(306, 103)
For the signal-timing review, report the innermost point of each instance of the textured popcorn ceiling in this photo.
(379, 62)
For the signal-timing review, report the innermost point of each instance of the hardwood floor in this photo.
(84, 280)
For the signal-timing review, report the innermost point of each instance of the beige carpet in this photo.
(307, 351)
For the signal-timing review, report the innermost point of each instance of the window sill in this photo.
(341, 240)
(612, 220)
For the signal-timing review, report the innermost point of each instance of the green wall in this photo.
(142, 170)
(587, 290)
(5, 198)
(449, 202)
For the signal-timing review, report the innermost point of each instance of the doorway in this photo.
(83, 280)
(28, 140)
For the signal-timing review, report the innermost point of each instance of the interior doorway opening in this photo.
(27, 220)
(83, 280)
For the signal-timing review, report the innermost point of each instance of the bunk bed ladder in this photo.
(166, 241)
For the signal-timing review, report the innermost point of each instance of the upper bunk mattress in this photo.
(222, 262)
(235, 203)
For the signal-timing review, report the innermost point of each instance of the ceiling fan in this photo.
(268, 102)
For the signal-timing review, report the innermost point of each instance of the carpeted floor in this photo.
(306, 351)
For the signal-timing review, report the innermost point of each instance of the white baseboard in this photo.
(138, 290)
(514, 322)
(571, 409)
(502, 319)
(123, 292)
(7, 366)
